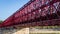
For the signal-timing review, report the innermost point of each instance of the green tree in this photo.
(1, 21)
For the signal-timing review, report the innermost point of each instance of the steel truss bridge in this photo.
(35, 13)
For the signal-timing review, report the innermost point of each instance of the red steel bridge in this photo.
(36, 13)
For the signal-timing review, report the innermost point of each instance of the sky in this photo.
(8, 7)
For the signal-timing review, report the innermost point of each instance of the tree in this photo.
(1, 21)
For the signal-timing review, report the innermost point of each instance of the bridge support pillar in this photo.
(22, 31)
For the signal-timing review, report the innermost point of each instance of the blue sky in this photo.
(8, 7)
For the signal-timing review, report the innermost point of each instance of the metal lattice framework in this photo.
(36, 13)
